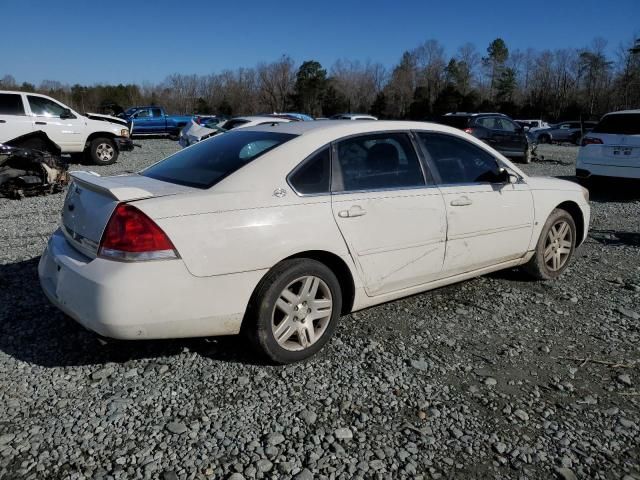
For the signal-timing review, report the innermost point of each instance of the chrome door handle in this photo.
(41, 123)
(355, 211)
(461, 202)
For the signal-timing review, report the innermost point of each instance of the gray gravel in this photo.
(497, 377)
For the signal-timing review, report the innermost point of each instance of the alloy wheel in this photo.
(105, 152)
(558, 244)
(302, 313)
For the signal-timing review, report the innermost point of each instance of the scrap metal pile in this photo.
(31, 165)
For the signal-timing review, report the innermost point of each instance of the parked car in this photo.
(532, 125)
(100, 137)
(612, 148)
(199, 128)
(300, 117)
(236, 122)
(153, 120)
(495, 129)
(352, 116)
(564, 132)
(277, 230)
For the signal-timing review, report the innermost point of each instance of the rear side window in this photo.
(206, 163)
(621, 124)
(314, 175)
(374, 162)
(458, 160)
(11, 104)
(156, 112)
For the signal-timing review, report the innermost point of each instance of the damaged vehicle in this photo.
(100, 138)
(27, 171)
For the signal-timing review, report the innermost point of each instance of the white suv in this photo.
(99, 136)
(612, 148)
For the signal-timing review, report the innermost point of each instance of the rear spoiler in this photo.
(114, 187)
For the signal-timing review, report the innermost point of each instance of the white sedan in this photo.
(277, 230)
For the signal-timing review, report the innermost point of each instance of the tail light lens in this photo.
(197, 120)
(131, 236)
(590, 141)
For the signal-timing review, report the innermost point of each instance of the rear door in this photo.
(489, 220)
(157, 121)
(392, 218)
(141, 122)
(68, 133)
(14, 120)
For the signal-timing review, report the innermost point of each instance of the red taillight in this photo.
(468, 130)
(197, 120)
(590, 141)
(132, 236)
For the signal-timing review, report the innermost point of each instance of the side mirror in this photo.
(507, 176)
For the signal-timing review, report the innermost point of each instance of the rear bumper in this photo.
(142, 300)
(124, 144)
(585, 170)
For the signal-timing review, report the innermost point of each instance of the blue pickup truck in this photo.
(152, 120)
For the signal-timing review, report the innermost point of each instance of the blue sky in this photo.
(134, 41)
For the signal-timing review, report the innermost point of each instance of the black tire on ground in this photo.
(544, 138)
(258, 324)
(174, 135)
(551, 244)
(103, 151)
(576, 138)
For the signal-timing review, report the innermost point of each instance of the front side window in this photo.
(142, 114)
(313, 176)
(43, 107)
(206, 163)
(458, 160)
(378, 161)
(11, 104)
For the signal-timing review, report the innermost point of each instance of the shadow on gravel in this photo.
(34, 331)
(616, 238)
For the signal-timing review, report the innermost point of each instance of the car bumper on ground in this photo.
(143, 300)
(125, 144)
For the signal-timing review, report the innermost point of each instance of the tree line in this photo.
(550, 84)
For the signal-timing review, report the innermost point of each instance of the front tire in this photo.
(103, 151)
(555, 247)
(294, 311)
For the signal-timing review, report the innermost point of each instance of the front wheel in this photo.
(555, 247)
(294, 311)
(103, 151)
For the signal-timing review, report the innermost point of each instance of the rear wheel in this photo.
(555, 247)
(544, 138)
(294, 311)
(103, 151)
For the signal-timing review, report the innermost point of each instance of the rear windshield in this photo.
(455, 121)
(206, 163)
(621, 123)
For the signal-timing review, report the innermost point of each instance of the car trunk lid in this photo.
(91, 199)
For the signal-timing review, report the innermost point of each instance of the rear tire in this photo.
(555, 247)
(544, 138)
(103, 151)
(294, 311)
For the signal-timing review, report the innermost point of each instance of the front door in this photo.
(490, 220)
(67, 132)
(392, 220)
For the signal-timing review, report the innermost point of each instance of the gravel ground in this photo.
(497, 377)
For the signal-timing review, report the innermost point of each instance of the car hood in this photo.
(106, 118)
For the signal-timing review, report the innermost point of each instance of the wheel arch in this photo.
(95, 135)
(341, 270)
(574, 210)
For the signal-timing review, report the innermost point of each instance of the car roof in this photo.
(469, 114)
(260, 118)
(623, 112)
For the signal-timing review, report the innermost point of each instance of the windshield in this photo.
(206, 163)
(621, 124)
